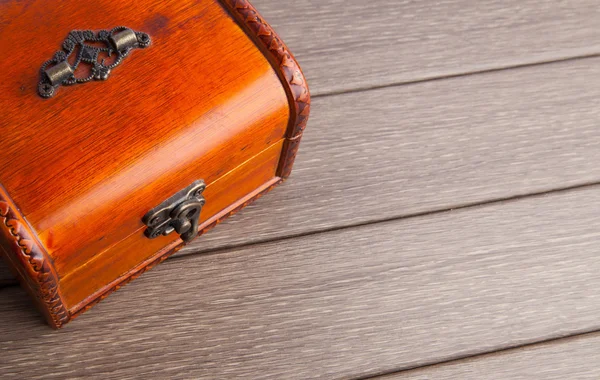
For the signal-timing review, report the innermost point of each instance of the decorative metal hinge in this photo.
(92, 50)
(180, 214)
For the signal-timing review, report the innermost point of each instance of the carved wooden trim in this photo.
(288, 70)
(288, 156)
(31, 261)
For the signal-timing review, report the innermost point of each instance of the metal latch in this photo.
(180, 214)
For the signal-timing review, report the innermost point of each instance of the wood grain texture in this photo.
(84, 187)
(569, 358)
(231, 191)
(348, 44)
(289, 73)
(512, 133)
(432, 146)
(343, 304)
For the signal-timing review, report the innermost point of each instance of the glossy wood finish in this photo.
(196, 112)
(212, 93)
(232, 188)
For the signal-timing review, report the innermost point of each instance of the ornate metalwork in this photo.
(88, 48)
(180, 214)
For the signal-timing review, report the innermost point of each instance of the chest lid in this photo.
(111, 108)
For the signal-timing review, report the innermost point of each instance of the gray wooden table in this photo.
(443, 220)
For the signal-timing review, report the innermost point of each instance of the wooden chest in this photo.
(129, 126)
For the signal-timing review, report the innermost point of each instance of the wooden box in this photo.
(122, 121)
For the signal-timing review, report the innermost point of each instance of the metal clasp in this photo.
(180, 213)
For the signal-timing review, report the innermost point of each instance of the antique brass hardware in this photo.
(180, 214)
(81, 47)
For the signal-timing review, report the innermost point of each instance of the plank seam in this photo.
(465, 206)
(456, 75)
(483, 354)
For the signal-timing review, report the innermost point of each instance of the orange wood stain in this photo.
(217, 96)
(87, 164)
(117, 261)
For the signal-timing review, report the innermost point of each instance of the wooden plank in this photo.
(349, 303)
(570, 358)
(431, 146)
(347, 44)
